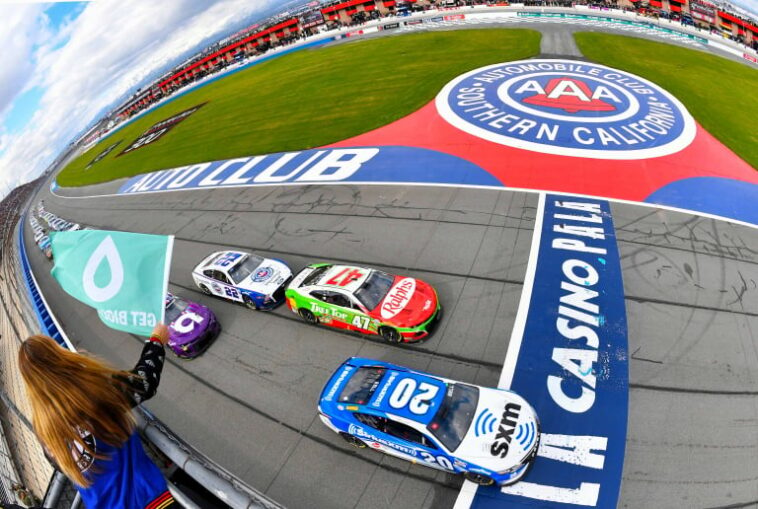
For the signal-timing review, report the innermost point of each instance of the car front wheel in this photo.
(249, 304)
(309, 317)
(390, 335)
(480, 479)
(205, 290)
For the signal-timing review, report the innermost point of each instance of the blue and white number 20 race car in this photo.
(491, 436)
(242, 277)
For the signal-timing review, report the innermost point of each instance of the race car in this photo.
(397, 308)
(45, 246)
(192, 327)
(491, 436)
(242, 277)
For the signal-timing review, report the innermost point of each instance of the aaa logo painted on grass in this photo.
(567, 108)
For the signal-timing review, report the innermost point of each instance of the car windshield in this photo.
(454, 417)
(243, 269)
(373, 290)
(175, 309)
(362, 385)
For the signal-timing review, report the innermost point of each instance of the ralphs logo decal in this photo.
(398, 297)
(568, 108)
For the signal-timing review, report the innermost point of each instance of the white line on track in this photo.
(469, 489)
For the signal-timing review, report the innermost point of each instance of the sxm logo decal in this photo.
(569, 108)
(572, 365)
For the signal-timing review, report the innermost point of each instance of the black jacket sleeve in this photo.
(148, 371)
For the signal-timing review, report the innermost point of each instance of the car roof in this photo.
(379, 401)
(343, 277)
(224, 260)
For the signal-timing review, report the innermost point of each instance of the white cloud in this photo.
(111, 47)
(21, 24)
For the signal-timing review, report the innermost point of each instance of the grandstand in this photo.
(316, 17)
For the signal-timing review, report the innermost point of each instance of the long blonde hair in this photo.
(70, 394)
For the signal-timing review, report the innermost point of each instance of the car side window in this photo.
(373, 421)
(208, 273)
(395, 429)
(404, 432)
(318, 294)
(340, 300)
(222, 277)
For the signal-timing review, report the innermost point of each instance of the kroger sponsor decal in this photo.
(569, 108)
(398, 297)
(358, 164)
(573, 362)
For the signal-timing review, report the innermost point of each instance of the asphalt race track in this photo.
(249, 402)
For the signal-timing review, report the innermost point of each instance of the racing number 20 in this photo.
(439, 460)
(406, 394)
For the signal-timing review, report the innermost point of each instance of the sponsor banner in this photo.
(572, 365)
(390, 26)
(747, 56)
(124, 276)
(569, 108)
(311, 19)
(454, 17)
(102, 154)
(703, 10)
(435, 19)
(414, 22)
(157, 131)
(360, 164)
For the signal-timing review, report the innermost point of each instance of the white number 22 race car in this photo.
(242, 277)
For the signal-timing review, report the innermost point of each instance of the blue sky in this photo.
(27, 102)
(64, 63)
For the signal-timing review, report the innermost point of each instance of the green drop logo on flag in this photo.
(122, 275)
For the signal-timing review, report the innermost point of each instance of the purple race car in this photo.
(192, 327)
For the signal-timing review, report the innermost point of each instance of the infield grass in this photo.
(721, 94)
(306, 99)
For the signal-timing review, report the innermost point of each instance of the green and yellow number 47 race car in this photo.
(369, 301)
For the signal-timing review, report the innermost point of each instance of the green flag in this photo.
(122, 275)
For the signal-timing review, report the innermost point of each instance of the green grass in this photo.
(721, 94)
(306, 99)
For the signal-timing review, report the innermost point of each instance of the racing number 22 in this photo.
(406, 394)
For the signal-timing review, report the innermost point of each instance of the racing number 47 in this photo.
(361, 322)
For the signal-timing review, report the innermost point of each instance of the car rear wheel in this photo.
(354, 441)
(480, 479)
(249, 303)
(390, 335)
(205, 290)
(309, 317)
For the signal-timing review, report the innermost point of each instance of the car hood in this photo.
(266, 278)
(190, 325)
(503, 432)
(409, 303)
